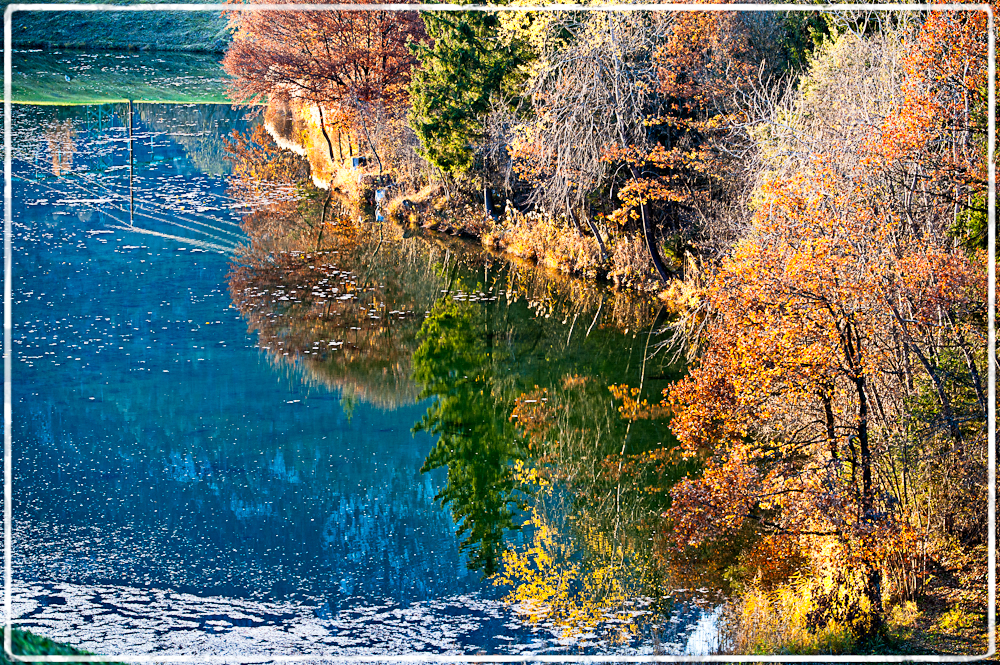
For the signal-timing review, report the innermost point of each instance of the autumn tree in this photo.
(695, 160)
(349, 64)
(801, 366)
(843, 333)
(934, 148)
(603, 61)
(665, 81)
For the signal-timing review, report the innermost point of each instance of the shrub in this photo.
(550, 242)
(782, 621)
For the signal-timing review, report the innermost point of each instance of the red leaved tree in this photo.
(352, 65)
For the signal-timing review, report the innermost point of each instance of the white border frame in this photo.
(524, 658)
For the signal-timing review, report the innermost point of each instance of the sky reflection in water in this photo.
(178, 488)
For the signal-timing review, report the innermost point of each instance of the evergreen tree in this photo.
(450, 91)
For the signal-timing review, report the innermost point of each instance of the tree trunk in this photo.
(649, 233)
(831, 433)
(364, 126)
(322, 222)
(932, 373)
(322, 127)
(970, 362)
(593, 229)
(873, 576)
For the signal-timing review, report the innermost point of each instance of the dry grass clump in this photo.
(412, 209)
(680, 296)
(630, 264)
(830, 615)
(401, 212)
(547, 241)
(778, 621)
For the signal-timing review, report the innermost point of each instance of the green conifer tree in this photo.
(451, 89)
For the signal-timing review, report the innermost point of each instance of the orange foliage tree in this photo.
(352, 64)
(934, 147)
(338, 58)
(816, 315)
(845, 342)
(705, 60)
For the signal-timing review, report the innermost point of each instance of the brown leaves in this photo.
(938, 132)
(715, 505)
(634, 409)
(535, 416)
(336, 58)
(707, 57)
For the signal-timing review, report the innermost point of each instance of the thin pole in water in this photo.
(131, 170)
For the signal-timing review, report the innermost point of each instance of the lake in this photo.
(237, 435)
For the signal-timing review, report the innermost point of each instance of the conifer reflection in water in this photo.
(555, 493)
(389, 319)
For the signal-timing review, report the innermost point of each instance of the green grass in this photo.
(24, 643)
(115, 56)
(39, 77)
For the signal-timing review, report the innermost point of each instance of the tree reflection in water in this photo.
(555, 495)
(477, 442)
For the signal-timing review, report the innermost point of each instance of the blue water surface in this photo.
(176, 489)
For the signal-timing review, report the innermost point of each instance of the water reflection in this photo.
(456, 364)
(151, 167)
(546, 482)
(59, 136)
(216, 450)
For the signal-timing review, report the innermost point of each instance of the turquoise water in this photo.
(184, 485)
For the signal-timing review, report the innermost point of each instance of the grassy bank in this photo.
(24, 643)
(85, 57)
(96, 77)
(552, 242)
